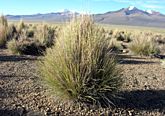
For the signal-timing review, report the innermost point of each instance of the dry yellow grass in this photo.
(80, 67)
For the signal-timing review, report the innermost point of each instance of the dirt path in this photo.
(22, 94)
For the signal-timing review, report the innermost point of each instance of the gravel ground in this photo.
(21, 94)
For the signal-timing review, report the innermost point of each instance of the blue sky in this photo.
(91, 6)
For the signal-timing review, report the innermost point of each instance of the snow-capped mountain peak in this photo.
(149, 11)
(67, 12)
(131, 7)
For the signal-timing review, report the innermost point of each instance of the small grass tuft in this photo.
(163, 63)
(13, 47)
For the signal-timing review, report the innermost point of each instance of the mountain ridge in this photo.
(125, 16)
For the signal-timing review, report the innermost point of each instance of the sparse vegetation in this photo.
(115, 46)
(25, 47)
(12, 46)
(144, 45)
(3, 31)
(3, 21)
(42, 36)
(71, 63)
(80, 67)
(3, 37)
(21, 26)
(30, 40)
(46, 35)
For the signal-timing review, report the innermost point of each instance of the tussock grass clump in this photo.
(3, 31)
(144, 45)
(3, 21)
(13, 47)
(12, 32)
(21, 26)
(115, 45)
(80, 67)
(3, 36)
(46, 35)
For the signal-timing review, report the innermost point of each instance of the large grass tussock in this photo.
(80, 67)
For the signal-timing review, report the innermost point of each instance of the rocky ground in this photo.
(21, 93)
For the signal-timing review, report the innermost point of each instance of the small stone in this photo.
(125, 51)
(57, 113)
(21, 110)
(39, 107)
(145, 86)
(91, 110)
(32, 113)
(129, 113)
(48, 111)
(154, 78)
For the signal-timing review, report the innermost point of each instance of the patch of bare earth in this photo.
(143, 93)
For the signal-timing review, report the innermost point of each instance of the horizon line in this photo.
(80, 12)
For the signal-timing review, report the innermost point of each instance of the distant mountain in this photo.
(132, 16)
(52, 17)
(125, 16)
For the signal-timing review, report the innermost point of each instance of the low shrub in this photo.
(31, 48)
(80, 67)
(144, 45)
(25, 47)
